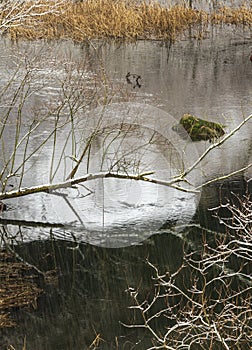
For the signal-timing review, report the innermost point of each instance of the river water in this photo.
(111, 226)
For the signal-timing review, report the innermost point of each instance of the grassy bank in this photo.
(121, 19)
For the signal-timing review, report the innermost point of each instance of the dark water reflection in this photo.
(211, 79)
(90, 297)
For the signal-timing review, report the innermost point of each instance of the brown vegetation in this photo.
(17, 287)
(121, 19)
(236, 16)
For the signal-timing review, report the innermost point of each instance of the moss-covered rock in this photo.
(199, 129)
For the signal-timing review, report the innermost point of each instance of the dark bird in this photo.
(133, 79)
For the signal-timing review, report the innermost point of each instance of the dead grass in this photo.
(120, 19)
(17, 288)
(235, 16)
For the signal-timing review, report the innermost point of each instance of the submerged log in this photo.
(199, 129)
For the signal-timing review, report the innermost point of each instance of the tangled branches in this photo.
(206, 303)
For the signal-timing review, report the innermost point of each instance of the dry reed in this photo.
(17, 288)
(121, 19)
(236, 16)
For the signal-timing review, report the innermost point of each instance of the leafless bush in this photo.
(26, 114)
(206, 303)
(14, 13)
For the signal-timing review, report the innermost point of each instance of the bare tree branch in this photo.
(207, 301)
(213, 146)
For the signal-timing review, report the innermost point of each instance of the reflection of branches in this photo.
(8, 247)
(206, 303)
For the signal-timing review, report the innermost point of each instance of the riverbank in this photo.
(108, 19)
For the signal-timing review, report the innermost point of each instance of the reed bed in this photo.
(118, 19)
(235, 16)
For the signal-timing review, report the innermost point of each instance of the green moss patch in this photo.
(199, 129)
